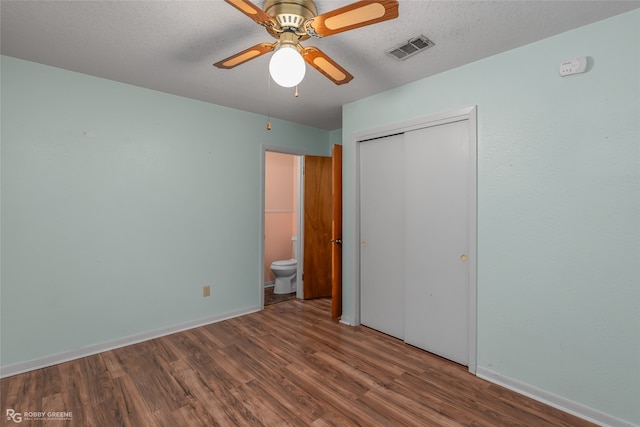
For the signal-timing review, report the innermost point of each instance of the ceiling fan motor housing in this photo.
(290, 15)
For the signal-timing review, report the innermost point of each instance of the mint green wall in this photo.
(558, 208)
(335, 137)
(119, 204)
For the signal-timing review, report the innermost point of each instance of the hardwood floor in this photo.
(286, 365)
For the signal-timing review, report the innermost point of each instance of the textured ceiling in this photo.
(170, 46)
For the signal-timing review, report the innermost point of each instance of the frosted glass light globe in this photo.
(286, 66)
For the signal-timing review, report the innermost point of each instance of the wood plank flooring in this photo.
(289, 364)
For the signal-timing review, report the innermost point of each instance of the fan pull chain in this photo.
(296, 94)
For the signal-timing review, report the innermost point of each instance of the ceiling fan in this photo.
(293, 21)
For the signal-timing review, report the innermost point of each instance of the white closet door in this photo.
(436, 230)
(381, 234)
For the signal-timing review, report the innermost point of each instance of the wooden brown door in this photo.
(317, 227)
(336, 232)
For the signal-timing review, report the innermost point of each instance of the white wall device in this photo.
(573, 66)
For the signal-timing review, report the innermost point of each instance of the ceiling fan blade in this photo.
(327, 66)
(252, 11)
(354, 15)
(246, 55)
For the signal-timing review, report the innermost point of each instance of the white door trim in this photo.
(469, 114)
(263, 157)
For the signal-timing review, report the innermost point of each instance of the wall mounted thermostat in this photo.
(573, 66)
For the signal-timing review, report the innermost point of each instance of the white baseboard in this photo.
(551, 399)
(54, 359)
(347, 321)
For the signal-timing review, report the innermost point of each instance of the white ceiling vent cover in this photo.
(412, 47)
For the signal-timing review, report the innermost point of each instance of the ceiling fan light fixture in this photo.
(295, 21)
(287, 68)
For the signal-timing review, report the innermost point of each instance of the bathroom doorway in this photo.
(281, 225)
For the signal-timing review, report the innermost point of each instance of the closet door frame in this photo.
(469, 114)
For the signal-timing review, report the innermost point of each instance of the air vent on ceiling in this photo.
(410, 48)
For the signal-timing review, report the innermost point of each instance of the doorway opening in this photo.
(281, 225)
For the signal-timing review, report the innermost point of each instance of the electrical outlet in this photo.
(206, 291)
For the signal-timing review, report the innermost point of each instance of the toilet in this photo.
(285, 272)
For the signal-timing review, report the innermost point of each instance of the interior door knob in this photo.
(463, 258)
